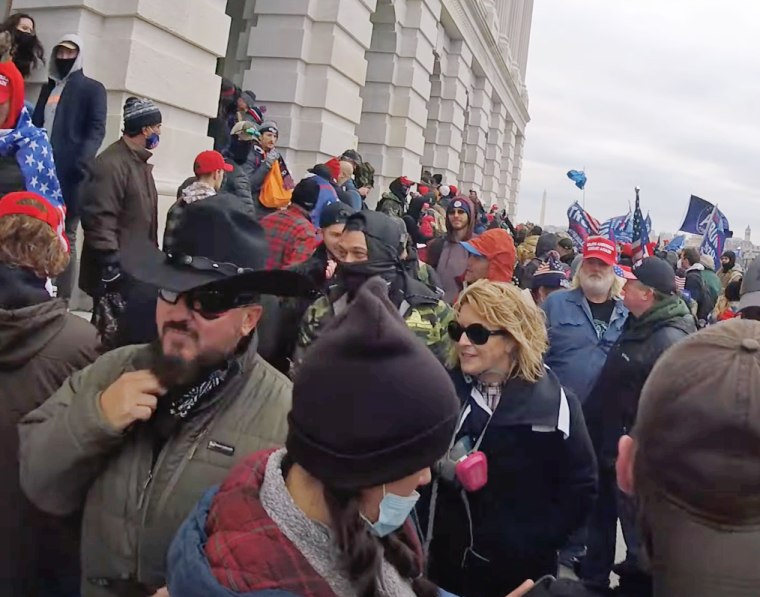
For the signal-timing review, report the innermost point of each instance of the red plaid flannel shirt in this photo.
(291, 236)
(248, 552)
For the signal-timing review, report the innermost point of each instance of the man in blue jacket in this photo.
(586, 321)
(72, 107)
(583, 325)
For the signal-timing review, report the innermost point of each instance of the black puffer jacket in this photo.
(613, 402)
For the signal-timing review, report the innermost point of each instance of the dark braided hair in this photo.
(359, 548)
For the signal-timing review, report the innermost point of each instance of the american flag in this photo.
(640, 233)
(34, 154)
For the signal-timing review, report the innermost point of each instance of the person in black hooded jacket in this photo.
(371, 245)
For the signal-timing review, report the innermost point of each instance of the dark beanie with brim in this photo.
(371, 403)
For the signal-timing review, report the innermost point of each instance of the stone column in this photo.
(504, 12)
(396, 95)
(507, 161)
(476, 135)
(491, 191)
(516, 170)
(308, 68)
(515, 31)
(445, 125)
(522, 52)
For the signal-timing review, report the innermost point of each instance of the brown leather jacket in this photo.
(118, 203)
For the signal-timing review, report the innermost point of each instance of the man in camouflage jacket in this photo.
(370, 246)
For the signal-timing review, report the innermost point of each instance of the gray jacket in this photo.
(71, 457)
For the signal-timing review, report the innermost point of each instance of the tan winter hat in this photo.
(697, 464)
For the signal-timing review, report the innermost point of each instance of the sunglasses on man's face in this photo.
(209, 304)
(476, 332)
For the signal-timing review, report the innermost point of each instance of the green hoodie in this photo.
(671, 308)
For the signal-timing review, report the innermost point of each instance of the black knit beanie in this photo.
(139, 113)
(306, 193)
(371, 404)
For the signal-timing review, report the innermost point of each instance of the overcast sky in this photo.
(663, 94)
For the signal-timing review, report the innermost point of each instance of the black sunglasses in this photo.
(209, 304)
(476, 332)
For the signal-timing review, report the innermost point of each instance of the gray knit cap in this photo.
(139, 113)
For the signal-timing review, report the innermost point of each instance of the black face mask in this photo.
(25, 41)
(239, 150)
(64, 66)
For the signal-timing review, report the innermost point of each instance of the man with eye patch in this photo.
(137, 437)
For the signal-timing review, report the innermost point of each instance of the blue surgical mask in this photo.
(151, 142)
(394, 510)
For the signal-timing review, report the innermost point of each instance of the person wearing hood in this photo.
(41, 344)
(729, 271)
(711, 279)
(72, 108)
(546, 242)
(393, 202)
(371, 245)
(658, 319)
(446, 254)
(691, 262)
(491, 256)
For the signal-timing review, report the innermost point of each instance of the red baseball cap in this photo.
(601, 248)
(210, 161)
(26, 203)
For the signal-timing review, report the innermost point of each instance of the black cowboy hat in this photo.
(216, 241)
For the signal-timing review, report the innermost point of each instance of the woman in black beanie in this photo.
(329, 514)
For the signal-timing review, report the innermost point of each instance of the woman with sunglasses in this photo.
(541, 469)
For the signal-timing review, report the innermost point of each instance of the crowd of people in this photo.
(297, 393)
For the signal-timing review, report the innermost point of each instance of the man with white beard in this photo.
(583, 325)
(586, 321)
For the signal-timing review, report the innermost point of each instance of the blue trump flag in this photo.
(698, 217)
(580, 224)
(578, 177)
(715, 237)
(677, 243)
(614, 228)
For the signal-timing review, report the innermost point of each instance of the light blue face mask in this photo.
(394, 510)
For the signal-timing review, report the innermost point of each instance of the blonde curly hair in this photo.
(504, 306)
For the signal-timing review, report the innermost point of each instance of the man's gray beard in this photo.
(595, 286)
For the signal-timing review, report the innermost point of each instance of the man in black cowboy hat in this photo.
(136, 438)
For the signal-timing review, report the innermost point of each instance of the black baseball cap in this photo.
(657, 274)
(335, 213)
(565, 243)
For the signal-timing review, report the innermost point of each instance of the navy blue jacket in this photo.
(78, 130)
(541, 487)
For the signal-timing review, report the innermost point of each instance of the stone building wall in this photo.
(413, 84)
